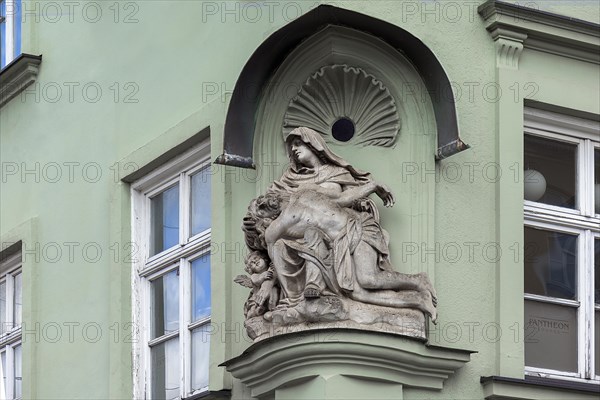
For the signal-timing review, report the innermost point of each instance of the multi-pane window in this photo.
(10, 31)
(172, 209)
(562, 246)
(11, 285)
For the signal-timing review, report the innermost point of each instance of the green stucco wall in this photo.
(165, 70)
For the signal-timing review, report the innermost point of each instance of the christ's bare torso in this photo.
(308, 209)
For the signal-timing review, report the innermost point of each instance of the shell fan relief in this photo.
(343, 92)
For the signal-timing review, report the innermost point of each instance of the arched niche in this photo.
(402, 162)
(245, 100)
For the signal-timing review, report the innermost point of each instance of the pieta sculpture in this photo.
(319, 257)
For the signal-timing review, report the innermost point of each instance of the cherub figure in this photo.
(264, 293)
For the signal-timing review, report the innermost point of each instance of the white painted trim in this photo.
(551, 122)
(9, 268)
(554, 374)
(582, 222)
(185, 338)
(164, 338)
(202, 244)
(552, 300)
(10, 264)
(538, 214)
(199, 154)
(147, 268)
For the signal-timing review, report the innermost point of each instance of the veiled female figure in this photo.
(325, 237)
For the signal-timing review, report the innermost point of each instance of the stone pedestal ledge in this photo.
(274, 363)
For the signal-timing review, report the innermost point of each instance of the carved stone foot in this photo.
(429, 306)
(426, 285)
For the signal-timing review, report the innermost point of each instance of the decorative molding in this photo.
(562, 123)
(18, 75)
(343, 91)
(247, 102)
(509, 46)
(544, 31)
(268, 365)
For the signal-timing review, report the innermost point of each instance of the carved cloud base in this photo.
(337, 312)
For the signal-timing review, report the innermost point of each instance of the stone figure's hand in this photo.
(385, 194)
(268, 275)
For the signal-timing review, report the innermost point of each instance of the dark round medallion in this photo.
(343, 129)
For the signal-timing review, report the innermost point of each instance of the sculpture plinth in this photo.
(342, 364)
(330, 312)
(320, 257)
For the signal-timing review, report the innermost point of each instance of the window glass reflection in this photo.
(3, 327)
(165, 304)
(550, 171)
(550, 263)
(550, 336)
(597, 273)
(18, 299)
(201, 288)
(200, 214)
(17, 371)
(165, 370)
(200, 354)
(597, 181)
(164, 220)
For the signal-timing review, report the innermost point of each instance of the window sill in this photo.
(533, 387)
(211, 395)
(17, 76)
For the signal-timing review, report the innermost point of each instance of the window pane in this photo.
(550, 263)
(3, 327)
(200, 201)
(597, 342)
(165, 304)
(550, 171)
(3, 357)
(597, 181)
(550, 336)
(18, 299)
(165, 370)
(201, 288)
(17, 27)
(18, 368)
(165, 220)
(200, 357)
(597, 271)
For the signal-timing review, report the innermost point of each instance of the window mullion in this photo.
(582, 296)
(185, 302)
(587, 303)
(182, 326)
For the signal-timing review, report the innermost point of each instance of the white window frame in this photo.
(582, 221)
(147, 267)
(12, 336)
(9, 40)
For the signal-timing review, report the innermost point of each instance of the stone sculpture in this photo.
(319, 255)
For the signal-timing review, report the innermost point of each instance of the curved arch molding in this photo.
(239, 124)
